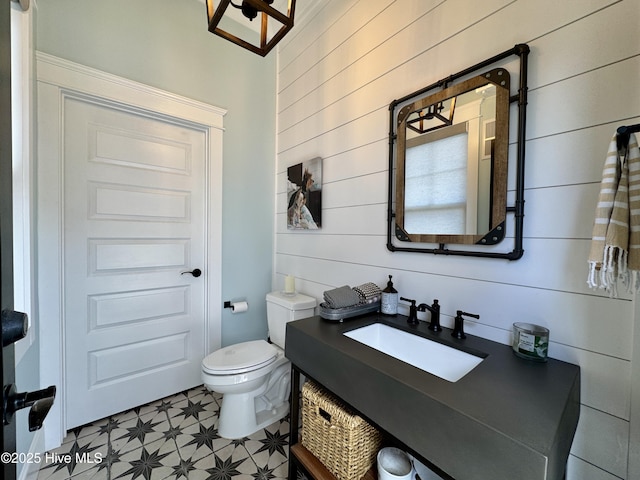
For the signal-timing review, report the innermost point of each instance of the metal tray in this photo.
(339, 314)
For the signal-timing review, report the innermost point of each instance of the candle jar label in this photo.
(530, 341)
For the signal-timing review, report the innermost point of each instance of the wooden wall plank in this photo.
(300, 49)
(578, 468)
(340, 89)
(612, 455)
(562, 107)
(339, 21)
(577, 156)
(333, 103)
(557, 55)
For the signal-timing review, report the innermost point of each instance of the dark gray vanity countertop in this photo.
(508, 418)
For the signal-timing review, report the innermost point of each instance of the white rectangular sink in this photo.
(433, 357)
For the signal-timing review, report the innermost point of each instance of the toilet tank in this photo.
(283, 308)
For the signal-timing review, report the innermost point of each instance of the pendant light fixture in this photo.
(274, 22)
(427, 119)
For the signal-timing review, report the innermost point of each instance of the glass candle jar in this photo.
(531, 341)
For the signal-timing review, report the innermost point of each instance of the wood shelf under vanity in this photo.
(315, 468)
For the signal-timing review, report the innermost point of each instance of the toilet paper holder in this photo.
(238, 306)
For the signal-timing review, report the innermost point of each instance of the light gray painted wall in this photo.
(337, 75)
(165, 44)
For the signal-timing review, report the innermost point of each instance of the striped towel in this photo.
(615, 243)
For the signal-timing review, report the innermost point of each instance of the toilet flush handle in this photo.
(196, 272)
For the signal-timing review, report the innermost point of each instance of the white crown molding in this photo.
(64, 73)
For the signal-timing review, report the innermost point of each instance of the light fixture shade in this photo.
(431, 118)
(274, 23)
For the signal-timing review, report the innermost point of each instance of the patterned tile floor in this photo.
(173, 438)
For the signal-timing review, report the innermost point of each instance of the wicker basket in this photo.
(345, 443)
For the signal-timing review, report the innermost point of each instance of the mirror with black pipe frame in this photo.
(448, 162)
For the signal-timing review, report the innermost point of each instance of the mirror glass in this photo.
(451, 163)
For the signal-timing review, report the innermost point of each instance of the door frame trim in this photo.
(58, 79)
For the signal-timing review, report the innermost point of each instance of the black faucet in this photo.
(413, 312)
(458, 329)
(435, 315)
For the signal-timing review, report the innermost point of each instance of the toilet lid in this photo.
(240, 358)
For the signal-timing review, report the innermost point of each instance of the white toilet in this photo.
(254, 377)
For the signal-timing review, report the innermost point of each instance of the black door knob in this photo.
(40, 402)
(196, 272)
(14, 326)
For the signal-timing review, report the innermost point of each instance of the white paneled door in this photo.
(134, 232)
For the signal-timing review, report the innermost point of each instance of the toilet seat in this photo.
(240, 358)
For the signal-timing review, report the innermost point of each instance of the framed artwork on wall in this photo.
(304, 195)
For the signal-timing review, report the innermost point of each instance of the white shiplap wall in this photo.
(339, 70)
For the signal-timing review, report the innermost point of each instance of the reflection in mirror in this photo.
(436, 196)
(452, 163)
(448, 167)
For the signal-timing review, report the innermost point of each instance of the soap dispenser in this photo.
(389, 299)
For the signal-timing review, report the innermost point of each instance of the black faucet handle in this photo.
(413, 312)
(458, 329)
(435, 316)
(436, 304)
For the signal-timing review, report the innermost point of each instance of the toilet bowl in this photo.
(254, 377)
(254, 388)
